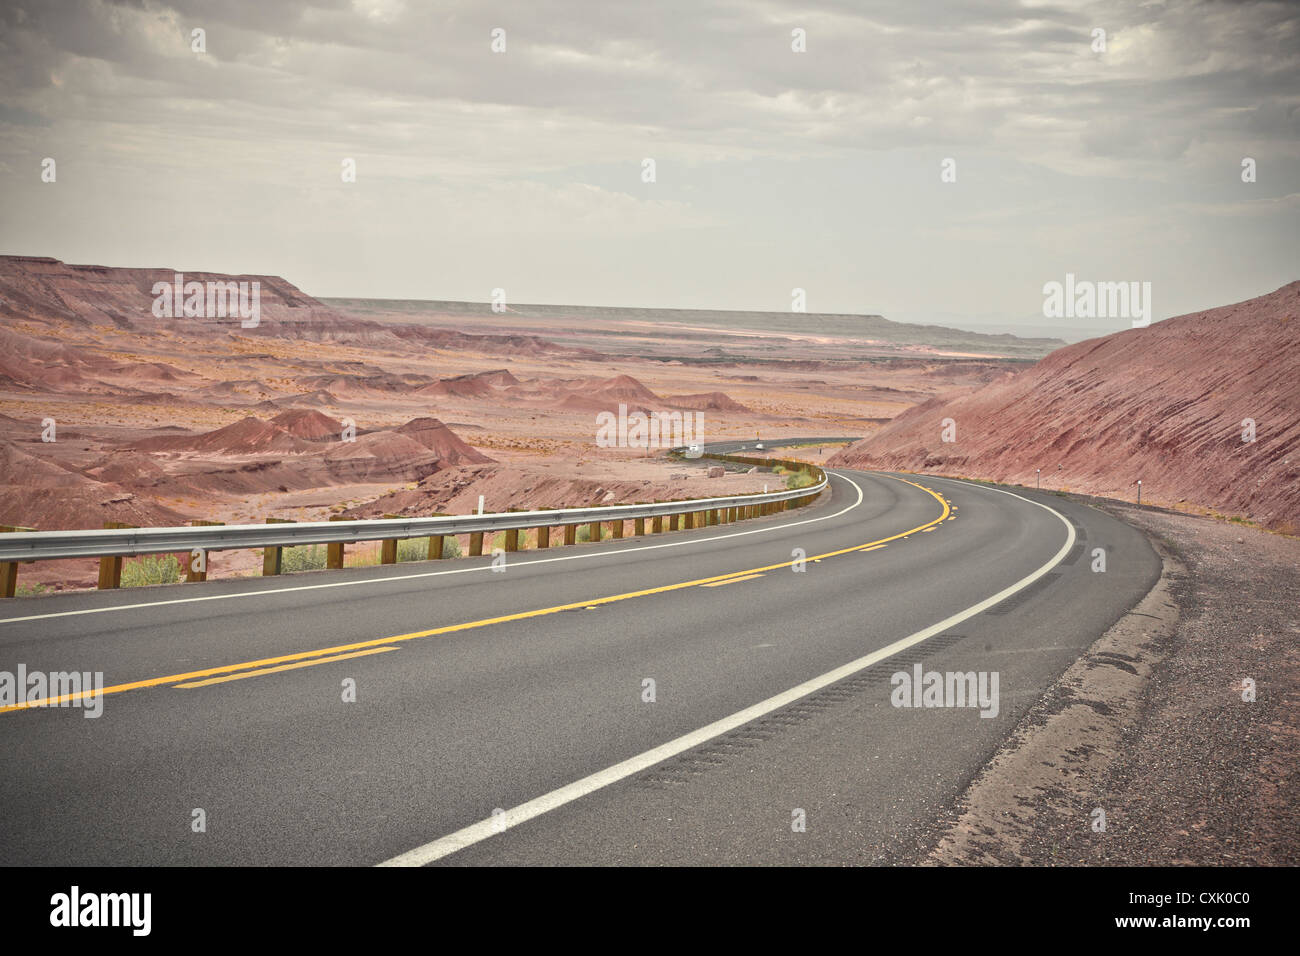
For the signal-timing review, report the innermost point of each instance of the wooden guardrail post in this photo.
(617, 528)
(570, 534)
(191, 573)
(272, 555)
(657, 524)
(593, 531)
(110, 567)
(388, 547)
(543, 537)
(9, 569)
(638, 527)
(436, 540)
(334, 549)
(512, 535)
(475, 544)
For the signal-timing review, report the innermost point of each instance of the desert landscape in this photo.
(111, 413)
(365, 408)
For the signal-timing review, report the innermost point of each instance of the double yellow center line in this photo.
(268, 665)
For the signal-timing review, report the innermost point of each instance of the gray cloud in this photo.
(820, 168)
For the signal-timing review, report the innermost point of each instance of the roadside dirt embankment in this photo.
(1153, 726)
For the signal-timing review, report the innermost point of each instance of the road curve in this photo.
(525, 692)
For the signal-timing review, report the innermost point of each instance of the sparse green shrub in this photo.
(417, 549)
(413, 549)
(30, 590)
(799, 479)
(151, 569)
(307, 557)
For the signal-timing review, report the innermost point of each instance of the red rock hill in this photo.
(1165, 404)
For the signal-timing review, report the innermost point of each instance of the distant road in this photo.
(524, 692)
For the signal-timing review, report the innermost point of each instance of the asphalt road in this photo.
(524, 692)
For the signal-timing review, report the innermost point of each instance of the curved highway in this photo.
(720, 695)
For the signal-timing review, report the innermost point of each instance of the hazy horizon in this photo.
(794, 145)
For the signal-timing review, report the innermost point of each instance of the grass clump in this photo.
(151, 569)
(307, 557)
(799, 479)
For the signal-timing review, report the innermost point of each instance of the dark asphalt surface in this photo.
(447, 728)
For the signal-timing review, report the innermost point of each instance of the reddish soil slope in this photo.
(248, 436)
(442, 441)
(56, 499)
(308, 424)
(1165, 404)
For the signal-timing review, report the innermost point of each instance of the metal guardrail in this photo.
(118, 542)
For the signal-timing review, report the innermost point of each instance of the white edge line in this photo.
(468, 836)
(631, 548)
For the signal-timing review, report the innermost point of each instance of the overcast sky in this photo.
(775, 169)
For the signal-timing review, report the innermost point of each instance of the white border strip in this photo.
(477, 832)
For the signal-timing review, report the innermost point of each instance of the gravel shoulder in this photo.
(1150, 725)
